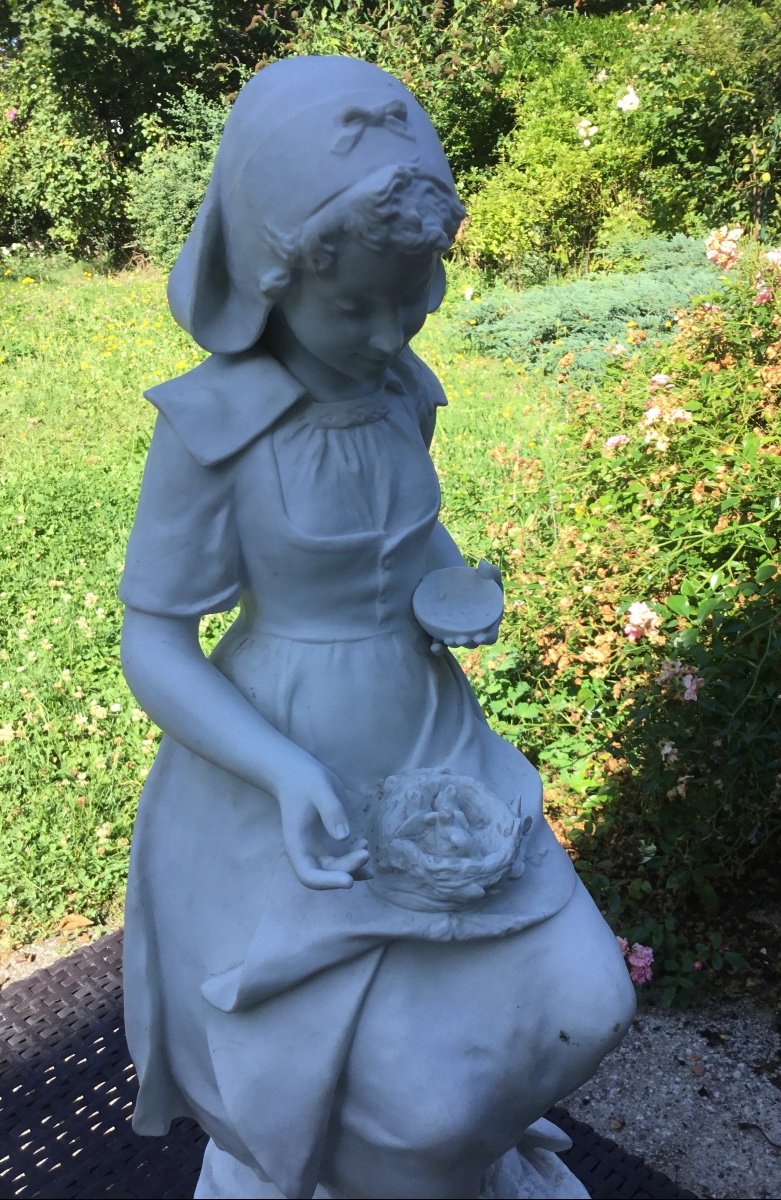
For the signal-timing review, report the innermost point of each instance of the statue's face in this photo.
(352, 319)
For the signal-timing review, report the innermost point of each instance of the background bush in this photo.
(82, 83)
(95, 92)
(679, 795)
(695, 144)
(60, 179)
(588, 317)
(168, 186)
(126, 71)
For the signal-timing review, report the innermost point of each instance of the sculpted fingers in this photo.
(314, 876)
(355, 863)
(313, 869)
(312, 817)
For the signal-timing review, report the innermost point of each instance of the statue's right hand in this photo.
(316, 830)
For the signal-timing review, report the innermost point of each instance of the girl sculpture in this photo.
(368, 1037)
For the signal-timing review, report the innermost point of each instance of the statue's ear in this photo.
(438, 287)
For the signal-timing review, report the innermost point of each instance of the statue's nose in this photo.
(387, 338)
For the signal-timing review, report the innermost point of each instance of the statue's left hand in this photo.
(470, 638)
(315, 827)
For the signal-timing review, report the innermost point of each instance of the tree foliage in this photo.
(89, 90)
(118, 70)
(119, 61)
(671, 116)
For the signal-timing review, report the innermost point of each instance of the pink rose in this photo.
(640, 960)
(640, 975)
(680, 416)
(11, 114)
(641, 621)
(764, 295)
(613, 443)
(660, 380)
(691, 686)
(623, 945)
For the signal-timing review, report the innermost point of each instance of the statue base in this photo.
(538, 1174)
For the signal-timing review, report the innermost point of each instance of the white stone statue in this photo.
(354, 951)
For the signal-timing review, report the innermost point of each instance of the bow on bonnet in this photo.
(391, 116)
(300, 132)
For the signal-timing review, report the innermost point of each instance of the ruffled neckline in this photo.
(347, 414)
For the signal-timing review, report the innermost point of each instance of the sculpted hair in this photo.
(395, 208)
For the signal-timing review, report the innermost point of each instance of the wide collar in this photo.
(229, 400)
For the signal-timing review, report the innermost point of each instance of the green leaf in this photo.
(708, 606)
(679, 604)
(751, 444)
(668, 994)
(708, 897)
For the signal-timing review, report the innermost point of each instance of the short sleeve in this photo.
(424, 392)
(183, 555)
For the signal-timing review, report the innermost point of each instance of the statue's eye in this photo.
(348, 308)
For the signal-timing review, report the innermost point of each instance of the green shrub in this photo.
(672, 115)
(85, 79)
(60, 180)
(552, 187)
(592, 318)
(167, 188)
(620, 248)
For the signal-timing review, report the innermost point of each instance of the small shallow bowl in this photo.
(457, 600)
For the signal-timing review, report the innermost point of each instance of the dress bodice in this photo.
(334, 509)
(316, 516)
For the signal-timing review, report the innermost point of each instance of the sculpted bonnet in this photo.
(301, 132)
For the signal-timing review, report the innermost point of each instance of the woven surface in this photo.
(67, 1090)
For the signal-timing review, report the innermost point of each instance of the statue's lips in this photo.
(378, 364)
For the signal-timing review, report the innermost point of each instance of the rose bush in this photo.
(639, 659)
